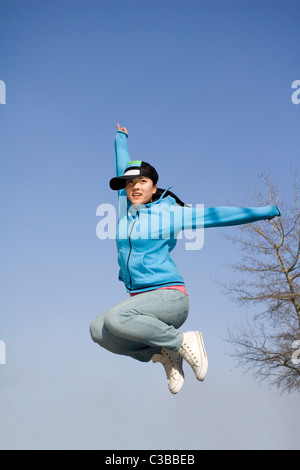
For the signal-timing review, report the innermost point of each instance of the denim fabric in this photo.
(140, 326)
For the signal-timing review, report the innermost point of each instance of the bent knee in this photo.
(113, 320)
(96, 329)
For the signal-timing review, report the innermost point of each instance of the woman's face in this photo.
(140, 190)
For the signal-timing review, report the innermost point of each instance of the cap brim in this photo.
(119, 182)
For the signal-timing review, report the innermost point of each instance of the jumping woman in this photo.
(146, 325)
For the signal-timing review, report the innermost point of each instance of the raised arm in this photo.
(121, 150)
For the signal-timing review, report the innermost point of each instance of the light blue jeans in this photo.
(140, 326)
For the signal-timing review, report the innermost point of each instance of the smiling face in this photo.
(140, 190)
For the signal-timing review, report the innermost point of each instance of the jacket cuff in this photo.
(122, 132)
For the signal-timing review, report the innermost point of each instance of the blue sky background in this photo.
(204, 88)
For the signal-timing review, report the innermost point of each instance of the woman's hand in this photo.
(122, 129)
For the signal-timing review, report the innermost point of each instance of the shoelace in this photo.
(168, 363)
(187, 350)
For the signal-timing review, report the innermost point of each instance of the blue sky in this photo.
(204, 88)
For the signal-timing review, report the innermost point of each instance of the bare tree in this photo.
(269, 279)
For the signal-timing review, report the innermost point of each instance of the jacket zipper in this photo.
(130, 247)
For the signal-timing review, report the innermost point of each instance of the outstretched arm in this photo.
(199, 217)
(226, 216)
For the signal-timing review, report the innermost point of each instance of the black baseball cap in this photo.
(134, 170)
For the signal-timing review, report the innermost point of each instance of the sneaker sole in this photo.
(204, 361)
(178, 386)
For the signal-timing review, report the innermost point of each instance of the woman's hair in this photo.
(150, 172)
(160, 191)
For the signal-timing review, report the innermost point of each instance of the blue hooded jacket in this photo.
(146, 236)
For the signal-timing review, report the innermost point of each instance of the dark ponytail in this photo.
(161, 191)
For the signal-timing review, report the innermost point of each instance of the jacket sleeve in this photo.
(121, 152)
(200, 217)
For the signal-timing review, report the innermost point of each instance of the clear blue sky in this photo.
(204, 88)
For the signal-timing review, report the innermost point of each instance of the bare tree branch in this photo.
(269, 272)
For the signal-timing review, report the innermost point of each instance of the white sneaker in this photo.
(193, 351)
(172, 363)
